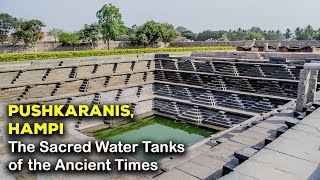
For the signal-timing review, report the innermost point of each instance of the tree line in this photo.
(307, 33)
(15, 30)
(110, 27)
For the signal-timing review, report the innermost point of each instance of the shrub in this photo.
(88, 53)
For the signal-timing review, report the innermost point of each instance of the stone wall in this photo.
(242, 43)
(91, 81)
(255, 55)
(51, 46)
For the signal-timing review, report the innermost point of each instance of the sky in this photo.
(196, 15)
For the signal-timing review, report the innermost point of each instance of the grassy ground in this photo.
(27, 62)
(89, 53)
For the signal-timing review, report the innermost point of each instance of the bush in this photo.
(88, 53)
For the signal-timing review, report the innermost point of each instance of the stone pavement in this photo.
(294, 155)
(267, 149)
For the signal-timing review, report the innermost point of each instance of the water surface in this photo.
(158, 130)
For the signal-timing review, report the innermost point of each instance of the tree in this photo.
(288, 34)
(305, 34)
(310, 32)
(139, 39)
(186, 33)
(256, 29)
(7, 25)
(54, 32)
(16, 37)
(143, 39)
(31, 31)
(255, 33)
(317, 37)
(273, 35)
(72, 39)
(152, 31)
(237, 35)
(189, 35)
(131, 30)
(205, 35)
(181, 29)
(299, 33)
(212, 35)
(254, 36)
(90, 33)
(110, 20)
(168, 33)
(148, 33)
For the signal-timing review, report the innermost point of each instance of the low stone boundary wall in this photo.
(51, 46)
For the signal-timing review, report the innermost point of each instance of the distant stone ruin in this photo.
(311, 46)
(278, 47)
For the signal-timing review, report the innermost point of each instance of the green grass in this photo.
(88, 53)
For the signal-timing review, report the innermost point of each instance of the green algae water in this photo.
(156, 129)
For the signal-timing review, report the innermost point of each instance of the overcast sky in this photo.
(197, 15)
